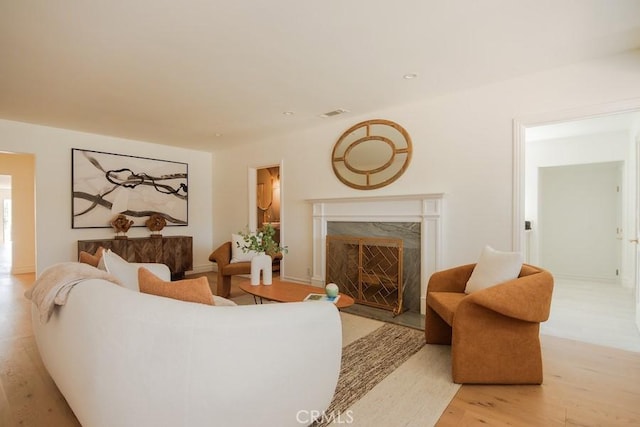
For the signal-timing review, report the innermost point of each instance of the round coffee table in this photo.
(282, 291)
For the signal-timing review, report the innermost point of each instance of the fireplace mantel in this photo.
(423, 208)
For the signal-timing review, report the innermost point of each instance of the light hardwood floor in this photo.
(585, 384)
(28, 395)
(593, 312)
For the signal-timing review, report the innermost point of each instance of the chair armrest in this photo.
(222, 255)
(451, 280)
(526, 298)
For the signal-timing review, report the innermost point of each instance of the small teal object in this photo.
(331, 289)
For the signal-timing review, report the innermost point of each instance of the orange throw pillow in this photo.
(94, 259)
(191, 290)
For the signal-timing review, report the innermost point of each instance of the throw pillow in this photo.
(222, 302)
(494, 267)
(191, 290)
(121, 269)
(237, 254)
(93, 260)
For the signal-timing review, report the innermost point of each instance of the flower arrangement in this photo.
(262, 241)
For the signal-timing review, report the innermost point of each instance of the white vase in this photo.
(261, 263)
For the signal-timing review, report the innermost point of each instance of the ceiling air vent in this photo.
(334, 113)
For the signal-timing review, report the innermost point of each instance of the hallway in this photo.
(5, 258)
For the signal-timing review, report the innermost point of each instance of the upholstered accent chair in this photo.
(222, 257)
(493, 332)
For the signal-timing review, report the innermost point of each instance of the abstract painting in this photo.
(105, 185)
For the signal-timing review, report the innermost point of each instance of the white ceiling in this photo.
(205, 73)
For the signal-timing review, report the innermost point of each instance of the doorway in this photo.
(265, 201)
(21, 210)
(268, 198)
(559, 164)
(5, 230)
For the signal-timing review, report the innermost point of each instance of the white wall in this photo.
(463, 147)
(55, 239)
(634, 143)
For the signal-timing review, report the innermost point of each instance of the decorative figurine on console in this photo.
(156, 223)
(121, 224)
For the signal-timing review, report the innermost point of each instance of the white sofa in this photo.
(124, 358)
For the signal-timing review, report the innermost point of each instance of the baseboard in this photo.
(23, 270)
(301, 281)
(608, 280)
(205, 268)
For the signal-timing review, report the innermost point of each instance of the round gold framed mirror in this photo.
(371, 154)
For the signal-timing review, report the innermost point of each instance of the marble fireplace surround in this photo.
(423, 208)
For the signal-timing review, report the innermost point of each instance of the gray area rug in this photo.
(368, 360)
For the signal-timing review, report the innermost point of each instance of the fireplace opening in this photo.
(369, 269)
(409, 233)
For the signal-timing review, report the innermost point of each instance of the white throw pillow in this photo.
(494, 267)
(237, 254)
(125, 272)
(222, 302)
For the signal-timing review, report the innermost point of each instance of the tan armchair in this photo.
(226, 269)
(494, 332)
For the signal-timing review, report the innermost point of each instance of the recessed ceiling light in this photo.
(410, 76)
(217, 135)
(288, 113)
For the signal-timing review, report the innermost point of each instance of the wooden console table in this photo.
(174, 251)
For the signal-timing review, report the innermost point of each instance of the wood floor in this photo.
(594, 312)
(28, 395)
(585, 384)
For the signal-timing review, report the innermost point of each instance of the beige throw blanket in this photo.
(53, 286)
